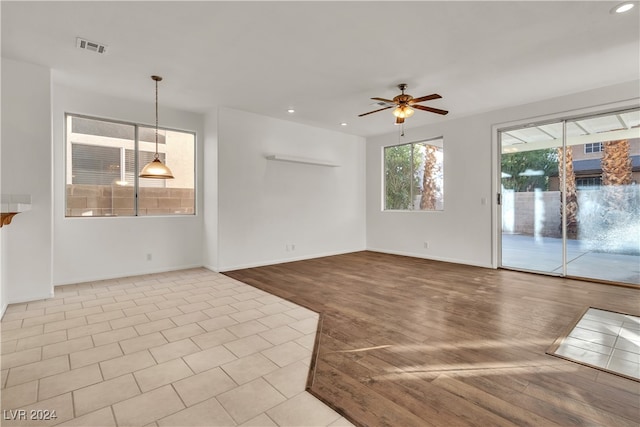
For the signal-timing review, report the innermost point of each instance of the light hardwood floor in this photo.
(412, 342)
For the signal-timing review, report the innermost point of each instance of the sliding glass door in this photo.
(531, 221)
(606, 156)
(570, 197)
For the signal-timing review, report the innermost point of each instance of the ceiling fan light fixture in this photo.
(408, 111)
(404, 105)
(403, 111)
(155, 168)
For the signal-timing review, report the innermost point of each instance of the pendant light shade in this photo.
(156, 169)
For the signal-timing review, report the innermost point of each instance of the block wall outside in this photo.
(520, 213)
(107, 200)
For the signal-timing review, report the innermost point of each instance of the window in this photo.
(413, 176)
(593, 147)
(104, 159)
(589, 182)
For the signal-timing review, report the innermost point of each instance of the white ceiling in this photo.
(326, 59)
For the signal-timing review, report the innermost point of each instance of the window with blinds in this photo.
(92, 164)
(103, 161)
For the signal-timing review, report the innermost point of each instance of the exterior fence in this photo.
(114, 200)
(534, 213)
(608, 217)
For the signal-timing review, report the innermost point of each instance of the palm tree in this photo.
(570, 191)
(616, 174)
(429, 184)
(616, 163)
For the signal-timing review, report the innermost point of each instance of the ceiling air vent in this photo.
(89, 45)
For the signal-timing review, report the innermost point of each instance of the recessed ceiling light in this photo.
(623, 7)
(291, 111)
(343, 124)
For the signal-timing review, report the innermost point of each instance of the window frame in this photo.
(589, 148)
(136, 150)
(426, 142)
(588, 182)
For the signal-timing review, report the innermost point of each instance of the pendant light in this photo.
(155, 168)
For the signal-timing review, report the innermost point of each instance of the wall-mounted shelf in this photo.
(302, 160)
(11, 205)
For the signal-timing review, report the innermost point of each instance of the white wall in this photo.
(26, 169)
(210, 203)
(266, 205)
(3, 291)
(463, 232)
(97, 248)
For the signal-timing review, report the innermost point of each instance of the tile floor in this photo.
(183, 348)
(606, 340)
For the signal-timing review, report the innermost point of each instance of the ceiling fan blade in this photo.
(374, 111)
(388, 101)
(429, 109)
(425, 98)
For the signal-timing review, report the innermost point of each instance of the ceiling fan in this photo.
(404, 105)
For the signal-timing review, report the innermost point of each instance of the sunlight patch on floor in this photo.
(473, 370)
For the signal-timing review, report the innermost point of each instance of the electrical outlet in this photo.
(293, 247)
(149, 256)
(426, 245)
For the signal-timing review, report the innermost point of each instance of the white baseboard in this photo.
(433, 258)
(284, 260)
(386, 251)
(85, 279)
(29, 298)
(211, 268)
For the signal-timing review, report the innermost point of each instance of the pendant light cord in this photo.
(156, 155)
(155, 168)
